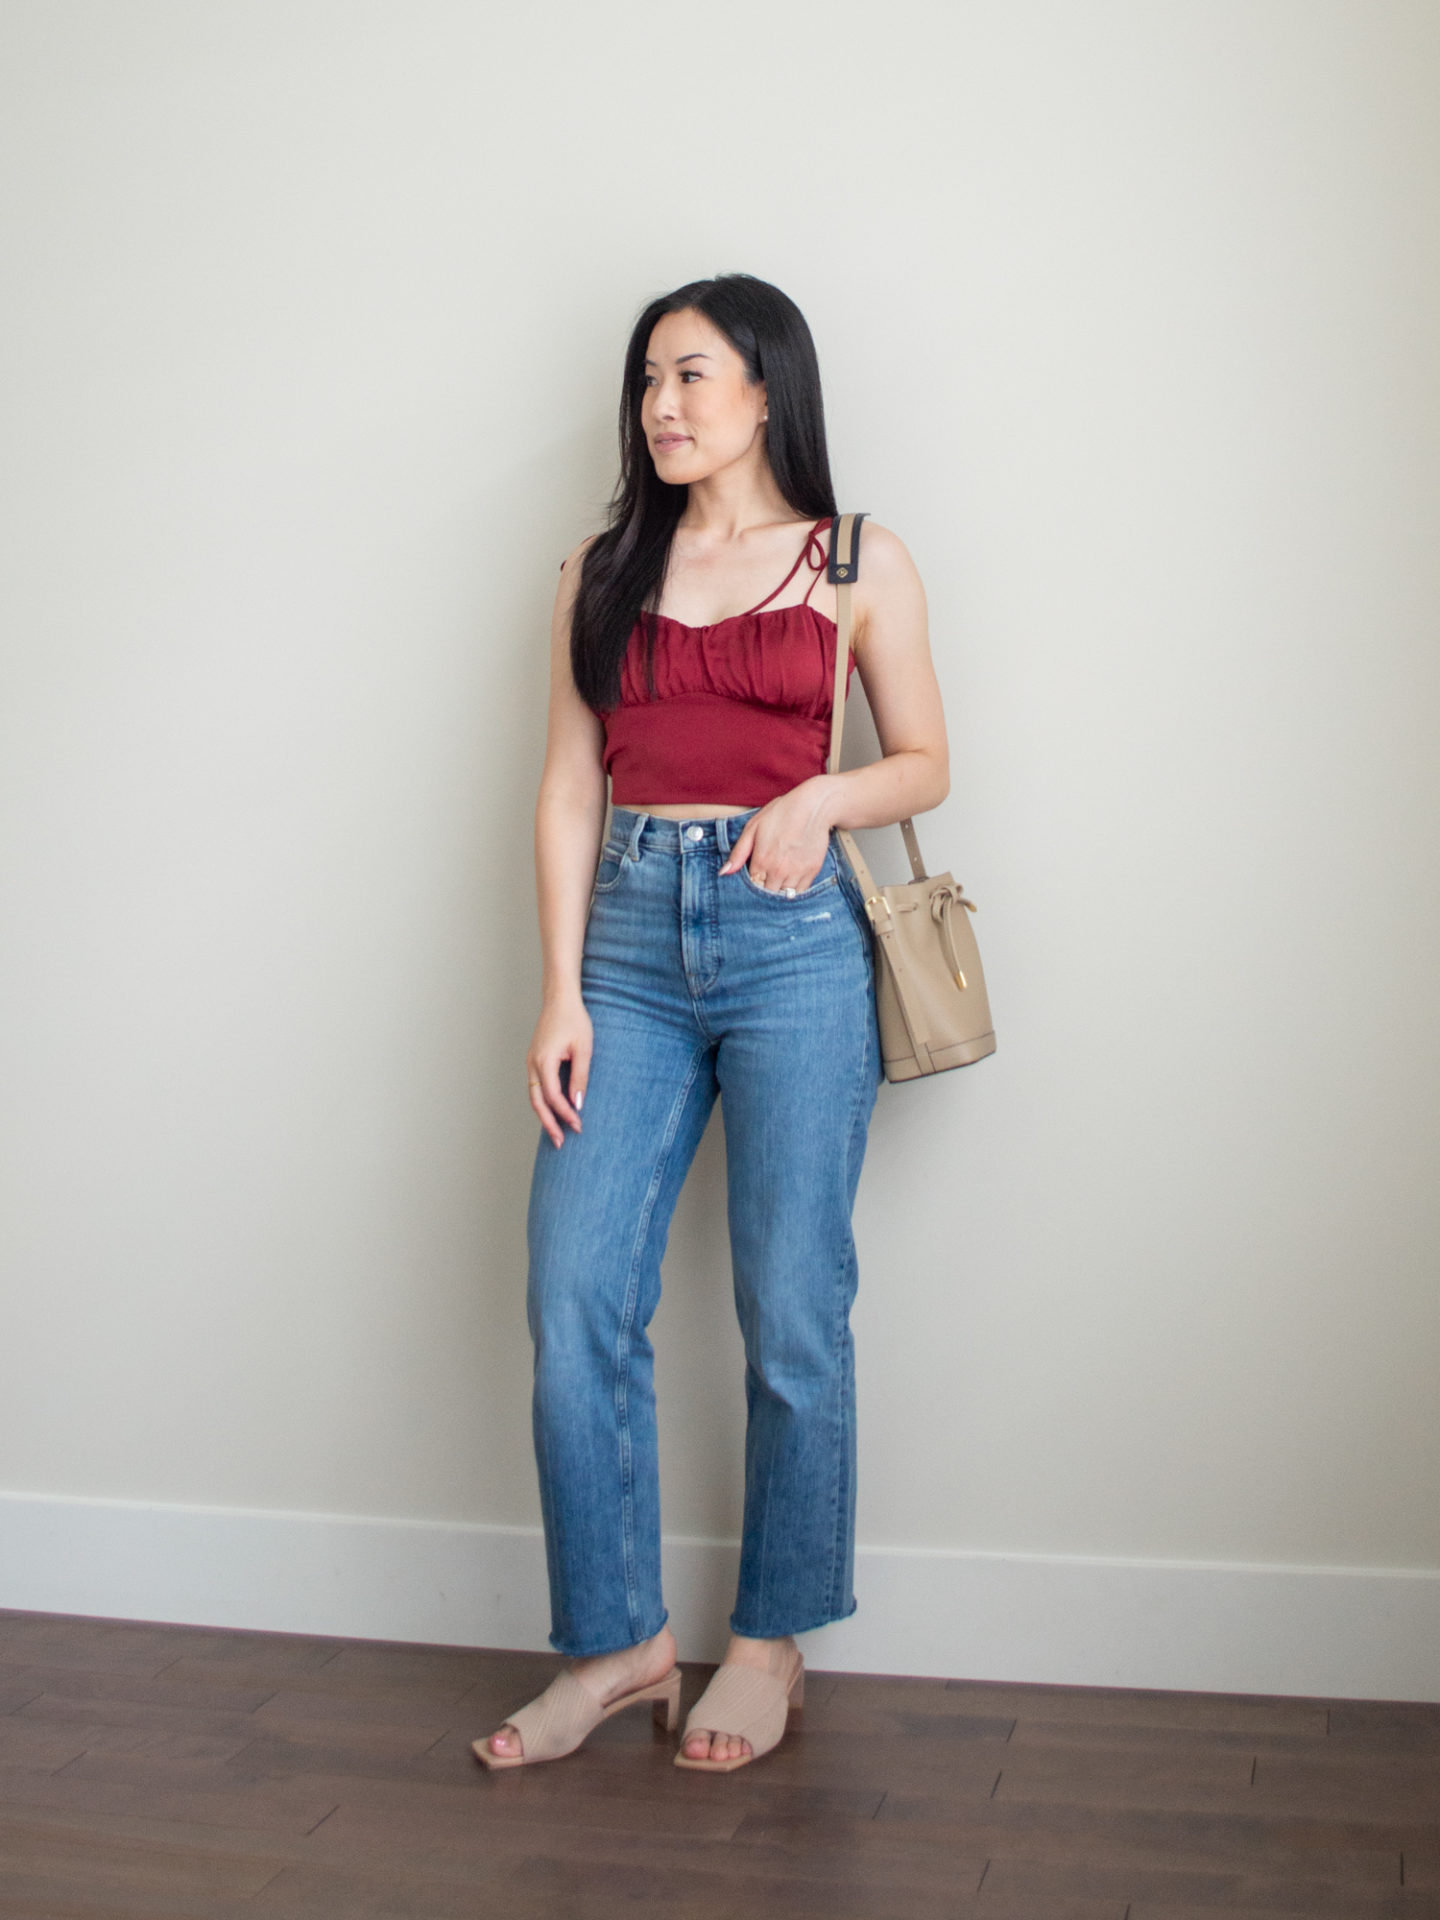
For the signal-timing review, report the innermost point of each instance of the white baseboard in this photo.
(1344, 1632)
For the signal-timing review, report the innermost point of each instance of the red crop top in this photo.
(741, 709)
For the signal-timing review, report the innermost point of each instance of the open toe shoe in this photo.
(562, 1718)
(748, 1705)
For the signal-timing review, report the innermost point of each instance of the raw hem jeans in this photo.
(700, 985)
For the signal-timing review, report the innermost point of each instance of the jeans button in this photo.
(697, 833)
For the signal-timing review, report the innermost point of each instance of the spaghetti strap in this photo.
(812, 539)
(819, 563)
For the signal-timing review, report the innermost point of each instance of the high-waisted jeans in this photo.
(700, 984)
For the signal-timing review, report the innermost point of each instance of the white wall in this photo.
(312, 327)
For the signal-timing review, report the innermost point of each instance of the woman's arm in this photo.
(569, 817)
(785, 843)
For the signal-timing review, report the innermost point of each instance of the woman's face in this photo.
(698, 411)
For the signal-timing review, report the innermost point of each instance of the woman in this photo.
(719, 948)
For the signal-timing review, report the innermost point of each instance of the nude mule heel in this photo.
(563, 1717)
(746, 1703)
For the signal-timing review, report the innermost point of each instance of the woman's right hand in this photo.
(563, 1032)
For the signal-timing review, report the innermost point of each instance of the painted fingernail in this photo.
(579, 1100)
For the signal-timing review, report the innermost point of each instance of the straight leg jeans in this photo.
(701, 986)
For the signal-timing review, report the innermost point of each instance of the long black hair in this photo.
(625, 565)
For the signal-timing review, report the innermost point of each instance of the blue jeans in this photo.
(700, 985)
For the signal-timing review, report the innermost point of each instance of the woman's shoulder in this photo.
(884, 556)
(578, 553)
(889, 593)
(567, 588)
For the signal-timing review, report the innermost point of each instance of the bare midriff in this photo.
(690, 810)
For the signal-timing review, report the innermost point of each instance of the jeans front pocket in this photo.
(611, 868)
(827, 877)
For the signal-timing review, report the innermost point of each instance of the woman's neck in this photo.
(727, 504)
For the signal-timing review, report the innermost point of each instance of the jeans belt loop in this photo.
(730, 826)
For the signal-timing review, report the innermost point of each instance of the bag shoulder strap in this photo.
(842, 572)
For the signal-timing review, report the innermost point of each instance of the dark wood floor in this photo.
(178, 1771)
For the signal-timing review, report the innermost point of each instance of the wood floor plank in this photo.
(1368, 1787)
(349, 1893)
(1099, 1737)
(1067, 1907)
(900, 1872)
(1413, 1737)
(1107, 1777)
(60, 1640)
(1057, 1829)
(477, 1801)
(480, 1855)
(605, 1890)
(292, 1808)
(57, 1640)
(1396, 1906)
(1119, 1706)
(140, 1866)
(894, 1693)
(39, 1897)
(91, 1713)
(840, 1837)
(1402, 1725)
(84, 1683)
(1217, 1889)
(844, 1716)
(376, 1666)
(339, 1716)
(338, 1745)
(35, 1747)
(592, 1892)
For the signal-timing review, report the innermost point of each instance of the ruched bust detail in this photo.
(782, 657)
(740, 711)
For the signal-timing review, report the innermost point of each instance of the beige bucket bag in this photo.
(930, 994)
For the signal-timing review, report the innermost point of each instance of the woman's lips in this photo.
(665, 441)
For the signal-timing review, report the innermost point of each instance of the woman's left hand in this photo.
(786, 841)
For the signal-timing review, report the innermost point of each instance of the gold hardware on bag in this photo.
(961, 981)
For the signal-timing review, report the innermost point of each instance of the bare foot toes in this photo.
(506, 1742)
(715, 1746)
